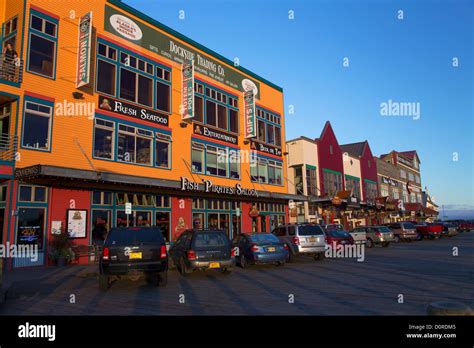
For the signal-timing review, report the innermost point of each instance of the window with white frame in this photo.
(104, 139)
(134, 145)
(163, 150)
(43, 36)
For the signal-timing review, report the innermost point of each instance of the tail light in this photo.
(285, 246)
(105, 253)
(255, 247)
(296, 240)
(191, 255)
(163, 252)
(232, 252)
(378, 234)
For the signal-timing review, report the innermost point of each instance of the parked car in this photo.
(376, 235)
(203, 249)
(132, 253)
(359, 236)
(338, 237)
(403, 230)
(258, 248)
(302, 239)
(466, 226)
(332, 227)
(428, 230)
(449, 230)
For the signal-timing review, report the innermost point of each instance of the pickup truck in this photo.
(428, 230)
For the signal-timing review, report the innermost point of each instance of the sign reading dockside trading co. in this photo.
(84, 50)
(117, 22)
(110, 104)
(249, 114)
(188, 90)
(215, 134)
(209, 187)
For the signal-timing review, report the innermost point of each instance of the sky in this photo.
(339, 60)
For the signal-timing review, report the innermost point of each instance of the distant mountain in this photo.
(456, 211)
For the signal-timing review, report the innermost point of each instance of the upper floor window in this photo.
(370, 191)
(140, 80)
(353, 184)
(332, 182)
(266, 171)
(268, 127)
(411, 177)
(10, 29)
(42, 47)
(403, 174)
(216, 108)
(37, 126)
(32, 193)
(330, 150)
(311, 187)
(214, 160)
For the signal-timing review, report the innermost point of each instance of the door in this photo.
(30, 231)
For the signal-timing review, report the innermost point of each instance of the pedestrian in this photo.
(9, 57)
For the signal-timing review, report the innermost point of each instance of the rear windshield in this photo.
(310, 230)
(339, 234)
(263, 238)
(408, 225)
(383, 229)
(134, 236)
(334, 227)
(210, 240)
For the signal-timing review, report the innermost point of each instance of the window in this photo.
(163, 96)
(198, 109)
(105, 77)
(332, 182)
(266, 171)
(261, 131)
(221, 117)
(102, 198)
(136, 87)
(299, 185)
(163, 150)
(197, 158)
(233, 121)
(31, 224)
(5, 111)
(32, 194)
(262, 170)
(42, 45)
(103, 139)
(219, 109)
(411, 177)
(331, 150)
(353, 183)
(384, 190)
(274, 173)
(370, 191)
(270, 134)
(234, 160)
(211, 160)
(417, 178)
(134, 145)
(3, 194)
(403, 174)
(222, 161)
(37, 126)
(211, 113)
(395, 194)
(311, 187)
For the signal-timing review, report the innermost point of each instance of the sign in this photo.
(144, 35)
(237, 212)
(250, 115)
(209, 187)
(265, 148)
(188, 90)
(21, 173)
(291, 204)
(353, 202)
(84, 50)
(76, 223)
(215, 134)
(387, 180)
(253, 212)
(128, 208)
(56, 227)
(126, 109)
(336, 200)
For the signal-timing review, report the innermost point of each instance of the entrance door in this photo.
(30, 231)
(236, 225)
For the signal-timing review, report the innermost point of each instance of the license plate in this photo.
(214, 265)
(311, 239)
(133, 256)
(271, 249)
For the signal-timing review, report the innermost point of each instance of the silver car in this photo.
(302, 239)
(376, 235)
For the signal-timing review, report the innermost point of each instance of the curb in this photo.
(446, 308)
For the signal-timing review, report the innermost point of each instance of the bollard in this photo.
(449, 308)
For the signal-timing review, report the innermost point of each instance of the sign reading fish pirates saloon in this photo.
(118, 23)
(209, 187)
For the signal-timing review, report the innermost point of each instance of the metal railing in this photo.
(11, 69)
(8, 147)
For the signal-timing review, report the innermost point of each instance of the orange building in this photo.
(101, 107)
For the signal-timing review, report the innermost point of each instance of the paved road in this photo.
(420, 271)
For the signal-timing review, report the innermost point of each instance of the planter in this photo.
(61, 261)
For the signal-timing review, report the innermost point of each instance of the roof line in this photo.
(190, 41)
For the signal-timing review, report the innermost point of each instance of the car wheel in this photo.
(385, 244)
(369, 243)
(103, 282)
(280, 264)
(183, 269)
(242, 261)
(318, 257)
(397, 239)
(409, 240)
(291, 257)
(163, 279)
(227, 270)
(419, 236)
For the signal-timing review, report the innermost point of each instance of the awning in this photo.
(100, 180)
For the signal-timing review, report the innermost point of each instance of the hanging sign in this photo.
(250, 115)
(84, 50)
(187, 90)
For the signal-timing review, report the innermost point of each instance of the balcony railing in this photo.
(8, 147)
(11, 69)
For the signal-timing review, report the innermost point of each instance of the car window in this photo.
(338, 234)
(263, 238)
(383, 229)
(210, 240)
(310, 230)
(408, 225)
(280, 231)
(291, 230)
(134, 236)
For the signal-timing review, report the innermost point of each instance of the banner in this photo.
(146, 36)
(187, 90)
(84, 50)
(250, 115)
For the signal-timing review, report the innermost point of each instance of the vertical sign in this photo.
(249, 112)
(188, 90)
(84, 50)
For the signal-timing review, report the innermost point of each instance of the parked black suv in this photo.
(203, 249)
(134, 252)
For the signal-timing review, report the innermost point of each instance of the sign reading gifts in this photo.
(117, 22)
